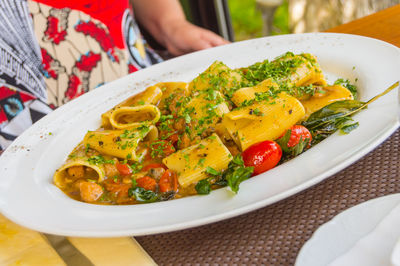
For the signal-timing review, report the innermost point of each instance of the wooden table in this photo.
(384, 25)
(274, 235)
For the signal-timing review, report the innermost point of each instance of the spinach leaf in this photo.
(335, 116)
(236, 173)
(232, 177)
(203, 187)
(143, 195)
(332, 113)
(167, 195)
(347, 128)
(212, 171)
(295, 150)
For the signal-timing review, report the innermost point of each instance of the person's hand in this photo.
(183, 37)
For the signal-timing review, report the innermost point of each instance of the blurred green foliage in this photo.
(247, 21)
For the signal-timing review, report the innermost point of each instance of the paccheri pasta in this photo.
(177, 139)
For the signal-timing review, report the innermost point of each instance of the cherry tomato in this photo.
(262, 156)
(124, 169)
(147, 183)
(153, 165)
(298, 132)
(168, 182)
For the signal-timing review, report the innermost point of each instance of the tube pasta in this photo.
(308, 72)
(227, 79)
(191, 163)
(207, 111)
(152, 95)
(61, 177)
(120, 143)
(170, 89)
(248, 93)
(327, 95)
(128, 117)
(263, 121)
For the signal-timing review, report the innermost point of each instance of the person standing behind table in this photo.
(52, 51)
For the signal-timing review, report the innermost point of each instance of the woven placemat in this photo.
(275, 234)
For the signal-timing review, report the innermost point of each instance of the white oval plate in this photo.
(346, 228)
(28, 197)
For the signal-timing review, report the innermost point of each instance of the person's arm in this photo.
(166, 22)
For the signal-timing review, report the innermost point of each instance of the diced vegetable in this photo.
(76, 171)
(111, 170)
(124, 169)
(90, 192)
(147, 183)
(153, 165)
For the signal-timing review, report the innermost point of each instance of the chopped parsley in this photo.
(99, 159)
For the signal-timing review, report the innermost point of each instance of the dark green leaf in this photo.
(167, 195)
(292, 151)
(236, 161)
(212, 171)
(237, 176)
(203, 187)
(143, 195)
(332, 112)
(300, 147)
(336, 116)
(236, 173)
(347, 128)
(283, 141)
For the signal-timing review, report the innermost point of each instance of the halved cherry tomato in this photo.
(124, 169)
(147, 183)
(153, 165)
(168, 182)
(298, 132)
(262, 156)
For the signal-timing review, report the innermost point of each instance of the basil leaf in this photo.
(167, 195)
(212, 171)
(332, 112)
(335, 116)
(237, 176)
(347, 128)
(283, 141)
(236, 173)
(203, 187)
(295, 150)
(143, 195)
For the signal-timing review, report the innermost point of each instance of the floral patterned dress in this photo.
(52, 51)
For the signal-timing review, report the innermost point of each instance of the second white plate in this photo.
(346, 228)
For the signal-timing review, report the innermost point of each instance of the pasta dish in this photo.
(177, 139)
